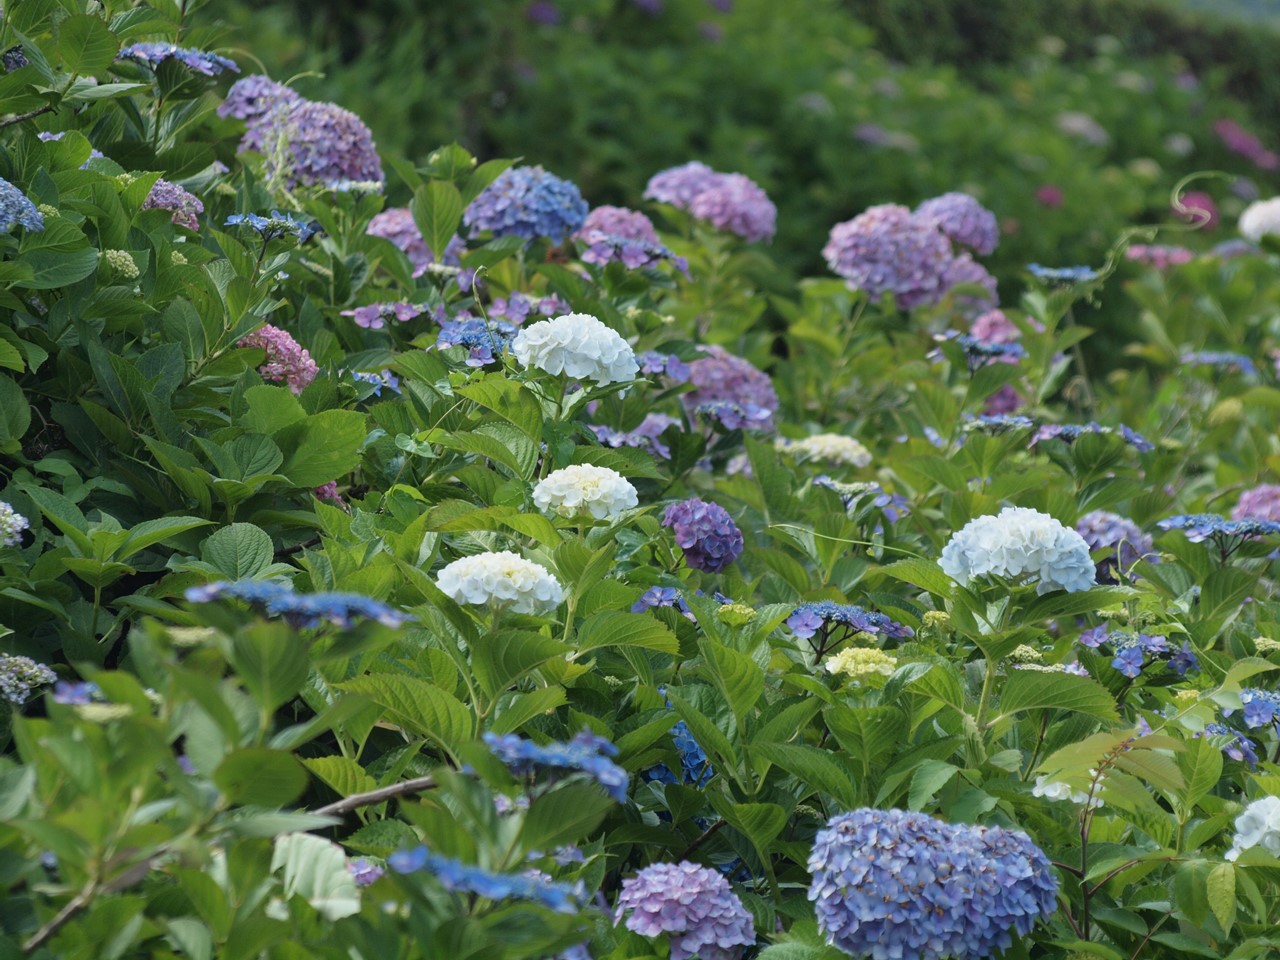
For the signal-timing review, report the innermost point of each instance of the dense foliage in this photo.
(508, 576)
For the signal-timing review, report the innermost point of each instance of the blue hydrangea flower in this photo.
(810, 618)
(20, 675)
(980, 352)
(998, 424)
(76, 694)
(694, 763)
(1261, 707)
(197, 61)
(1062, 274)
(486, 342)
(585, 753)
(301, 610)
(1238, 747)
(662, 597)
(705, 532)
(276, 226)
(527, 202)
(383, 379)
(459, 877)
(16, 210)
(889, 885)
(1236, 362)
(1071, 432)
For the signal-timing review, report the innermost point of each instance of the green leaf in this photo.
(523, 707)
(501, 659)
(260, 777)
(509, 400)
(50, 268)
(709, 736)
(316, 870)
(272, 662)
(930, 777)
(437, 210)
(865, 733)
(1190, 890)
(1220, 889)
(86, 45)
(239, 551)
(565, 815)
(321, 448)
(1030, 690)
(270, 409)
(1201, 766)
(816, 769)
(613, 628)
(421, 707)
(15, 412)
(758, 822)
(738, 678)
(150, 532)
(922, 573)
(342, 774)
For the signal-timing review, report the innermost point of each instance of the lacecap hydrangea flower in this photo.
(585, 753)
(827, 616)
(463, 878)
(1258, 503)
(888, 250)
(502, 579)
(1260, 219)
(276, 598)
(889, 885)
(20, 675)
(721, 378)
(1103, 530)
(197, 61)
(287, 361)
(579, 346)
(694, 906)
(1020, 542)
(16, 210)
(705, 532)
(315, 144)
(828, 447)
(527, 202)
(1258, 826)
(963, 220)
(585, 490)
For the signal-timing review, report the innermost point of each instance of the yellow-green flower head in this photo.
(736, 614)
(121, 263)
(937, 620)
(1265, 645)
(861, 663)
(1025, 653)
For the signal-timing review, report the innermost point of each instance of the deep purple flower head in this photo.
(886, 249)
(397, 225)
(1258, 503)
(527, 202)
(315, 144)
(543, 13)
(705, 532)
(720, 377)
(679, 186)
(890, 884)
(735, 204)
(183, 205)
(1102, 530)
(693, 905)
(287, 361)
(620, 222)
(251, 98)
(963, 220)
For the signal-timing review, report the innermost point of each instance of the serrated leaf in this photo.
(523, 707)
(930, 777)
(500, 659)
(437, 211)
(316, 870)
(321, 448)
(738, 678)
(1220, 889)
(509, 400)
(1201, 766)
(613, 628)
(86, 45)
(1031, 690)
(15, 411)
(150, 532)
(342, 774)
(922, 573)
(239, 551)
(419, 706)
(816, 769)
(272, 662)
(565, 815)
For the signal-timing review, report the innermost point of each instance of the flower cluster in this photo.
(829, 447)
(979, 352)
(459, 877)
(1210, 526)
(1239, 140)
(1258, 826)
(307, 143)
(1258, 503)
(888, 250)
(720, 378)
(527, 202)
(16, 210)
(1131, 649)
(20, 675)
(197, 61)
(121, 263)
(579, 346)
(679, 186)
(619, 222)
(1102, 530)
(585, 490)
(375, 316)
(485, 342)
(965, 271)
(585, 753)
(734, 203)
(646, 435)
(502, 579)
(1057, 790)
(1233, 362)
(808, 619)
(1062, 274)
(1071, 432)
(12, 523)
(397, 225)
(694, 906)
(364, 872)
(1260, 219)
(890, 884)
(1237, 746)
(1020, 542)
(276, 226)
(963, 220)
(75, 694)
(996, 425)
(861, 663)
(287, 361)
(662, 597)
(1261, 707)
(705, 532)
(276, 598)
(251, 98)
(664, 364)
(892, 505)
(183, 205)
(1160, 256)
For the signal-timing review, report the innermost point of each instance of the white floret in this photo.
(585, 490)
(579, 346)
(503, 579)
(1260, 218)
(1020, 542)
(829, 447)
(1258, 826)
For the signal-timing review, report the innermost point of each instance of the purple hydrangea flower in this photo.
(276, 598)
(887, 883)
(679, 186)
(527, 202)
(364, 872)
(963, 220)
(705, 532)
(183, 205)
(397, 225)
(664, 364)
(1261, 707)
(375, 316)
(1258, 503)
(287, 361)
(74, 694)
(14, 59)
(1110, 531)
(620, 222)
(965, 270)
(647, 436)
(20, 675)
(197, 61)
(1159, 255)
(734, 203)
(251, 98)
(542, 12)
(17, 210)
(810, 618)
(886, 249)
(457, 876)
(720, 377)
(314, 144)
(1239, 747)
(694, 906)
(1071, 432)
(585, 753)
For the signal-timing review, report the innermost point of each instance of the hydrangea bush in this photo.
(398, 558)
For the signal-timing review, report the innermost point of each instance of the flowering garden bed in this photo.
(497, 576)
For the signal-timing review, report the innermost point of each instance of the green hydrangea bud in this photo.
(121, 262)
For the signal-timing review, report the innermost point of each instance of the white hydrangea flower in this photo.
(578, 345)
(1019, 542)
(1259, 825)
(829, 447)
(857, 663)
(1260, 218)
(503, 579)
(1057, 790)
(585, 490)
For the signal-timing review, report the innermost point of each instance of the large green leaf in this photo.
(321, 448)
(613, 628)
(437, 210)
(509, 400)
(342, 774)
(738, 678)
(272, 662)
(566, 815)
(1033, 690)
(816, 769)
(260, 777)
(923, 573)
(316, 870)
(238, 550)
(15, 412)
(421, 707)
(500, 659)
(85, 44)
(150, 532)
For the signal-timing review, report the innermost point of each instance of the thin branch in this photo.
(703, 838)
(61, 918)
(29, 115)
(357, 800)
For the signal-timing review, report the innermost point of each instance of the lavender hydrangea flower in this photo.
(827, 616)
(197, 61)
(1258, 503)
(182, 204)
(694, 906)
(20, 675)
(1110, 531)
(967, 271)
(705, 532)
(890, 884)
(313, 144)
(963, 220)
(734, 203)
(664, 364)
(1238, 747)
(303, 611)
(679, 186)
(74, 694)
(364, 872)
(1158, 255)
(585, 753)
(887, 250)
(646, 436)
(603, 249)
(456, 876)
(1071, 432)
(12, 523)
(397, 225)
(527, 202)
(720, 377)
(1261, 707)
(251, 98)
(375, 316)
(1230, 362)
(383, 378)
(287, 361)
(619, 222)
(16, 210)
